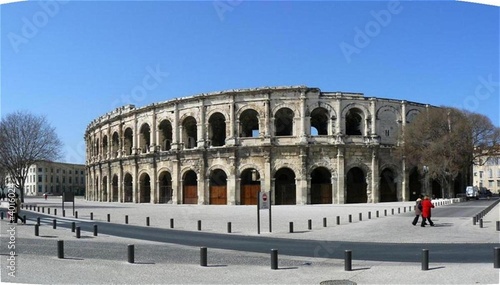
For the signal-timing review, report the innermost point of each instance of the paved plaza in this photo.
(103, 259)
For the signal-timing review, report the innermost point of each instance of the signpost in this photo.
(264, 203)
(68, 197)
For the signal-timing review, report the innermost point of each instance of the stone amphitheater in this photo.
(300, 144)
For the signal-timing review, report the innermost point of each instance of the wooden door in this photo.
(249, 194)
(190, 195)
(218, 195)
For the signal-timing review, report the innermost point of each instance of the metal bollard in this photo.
(55, 212)
(73, 227)
(496, 255)
(203, 256)
(37, 230)
(274, 259)
(392, 211)
(377, 214)
(425, 259)
(43, 209)
(199, 225)
(24, 218)
(91, 216)
(126, 219)
(324, 223)
(147, 221)
(228, 227)
(76, 214)
(290, 227)
(404, 209)
(474, 220)
(399, 210)
(309, 224)
(130, 251)
(481, 223)
(498, 225)
(64, 213)
(54, 223)
(171, 223)
(360, 217)
(1, 214)
(369, 215)
(48, 211)
(348, 260)
(38, 221)
(338, 220)
(385, 212)
(109, 218)
(60, 249)
(78, 232)
(95, 230)
(350, 218)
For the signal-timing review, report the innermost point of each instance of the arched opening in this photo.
(249, 186)
(321, 186)
(165, 180)
(96, 190)
(283, 122)
(128, 188)
(284, 187)
(249, 124)
(114, 190)
(144, 188)
(218, 187)
(165, 135)
(105, 146)
(354, 122)
(115, 145)
(128, 141)
(388, 126)
(105, 188)
(145, 138)
(415, 184)
(217, 129)
(190, 189)
(96, 147)
(189, 133)
(356, 186)
(319, 122)
(387, 187)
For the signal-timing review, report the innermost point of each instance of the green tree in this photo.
(25, 139)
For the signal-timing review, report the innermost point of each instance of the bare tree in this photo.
(26, 138)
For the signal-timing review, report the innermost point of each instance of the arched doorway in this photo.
(284, 187)
(190, 189)
(127, 187)
(218, 187)
(356, 186)
(388, 187)
(165, 188)
(249, 186)
(114, 190)
(415, 184)
(145, 189)
(321, 186)
(105, 188)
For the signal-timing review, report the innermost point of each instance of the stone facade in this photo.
(303, 145)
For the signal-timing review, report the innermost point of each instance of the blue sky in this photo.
(75, 61)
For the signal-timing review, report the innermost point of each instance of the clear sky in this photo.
(76, 61)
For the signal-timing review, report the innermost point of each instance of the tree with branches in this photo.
(26, 138)
(448, 142)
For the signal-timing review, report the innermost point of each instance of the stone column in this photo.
(176, 128)
(154, 134)
(341, 176)
(404, 177)
(303, 132)
(232, 187)
(176, 183)
(375, 177)
(231, 138)
(201, 125)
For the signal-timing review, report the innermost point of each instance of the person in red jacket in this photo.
(426, 211)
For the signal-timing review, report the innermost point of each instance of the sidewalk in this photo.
(158, 263)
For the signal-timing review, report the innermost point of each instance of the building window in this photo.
(39, 178)
(490, 183)
(490, 173)
(39, 188)
(498, 183)
(40, 169)
(480, 174)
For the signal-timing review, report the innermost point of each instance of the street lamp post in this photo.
(426, 179)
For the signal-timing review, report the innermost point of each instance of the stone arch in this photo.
(144, 188)
(320, 119)
(388, 187)
(283, 122)
(105, 188)
(249, 123)
(356, 185)
(321, 186)
(411, 115)
(145, 138)
(189, 132)
(105, 146)
(165, 187)
(217, 129)
(218, 187)
(190, 187)
(388, 128)
(128, 190)
(165, 135)
(284, 187)
(249, 185)
(115, 145)
(355, 116)
(128, 140)
(114, 188)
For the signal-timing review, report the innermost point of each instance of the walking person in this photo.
(418, 211)
(426, 211)
(17, 202)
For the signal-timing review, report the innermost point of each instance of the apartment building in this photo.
(53, 178)
(488, 174)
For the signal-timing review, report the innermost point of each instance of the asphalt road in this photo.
(449, 253)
